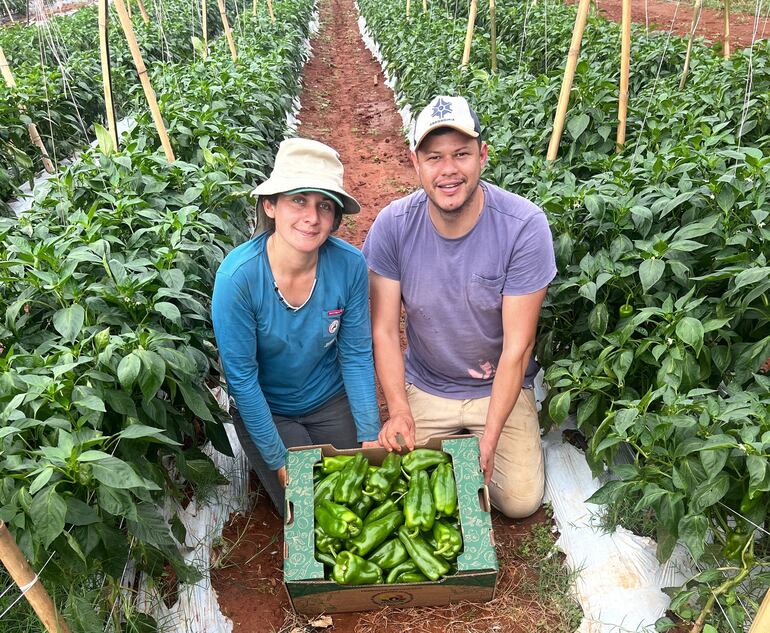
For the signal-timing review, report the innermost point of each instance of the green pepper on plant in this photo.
(350, 569)
(349, 485)
(337, 521)
(419, 507)
(442, 483)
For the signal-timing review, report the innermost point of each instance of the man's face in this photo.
(449, 168)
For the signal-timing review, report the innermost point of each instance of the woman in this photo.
(291, 318)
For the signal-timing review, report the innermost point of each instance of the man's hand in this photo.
(370, 444)
(487, 450)
(400, 424)
(281, 472)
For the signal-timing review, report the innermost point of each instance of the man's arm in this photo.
(520, 317)
(388, 361)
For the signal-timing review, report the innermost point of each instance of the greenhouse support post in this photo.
(29, 584)
(762, 619)
(625, 69)
(697, 6)
(104, 51)
(228, 31)
(141, 69)
(469, 31)
(34, 135)
(205, 28)
(569, 75)
(726, 34)
(492, 37)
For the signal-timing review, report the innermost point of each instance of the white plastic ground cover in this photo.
(618, 578)
(197, 608)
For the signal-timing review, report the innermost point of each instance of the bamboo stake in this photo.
(128, 8)
(424, 6)
(104, 49)
(762, 619)
(493, 36)
(625, 68)
(697, 6)
(253, 7)
(128, 30)
(408, 7)
(228, 31)
(143, 11)
(205, 27)
(8, 11)
(270, 10)
(726, 38)
(28, 582)
(469, 31)
(34, 135)
(569, 75)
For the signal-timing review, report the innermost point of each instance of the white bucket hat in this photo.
(305, 165)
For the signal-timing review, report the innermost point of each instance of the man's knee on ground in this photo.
(518, 507)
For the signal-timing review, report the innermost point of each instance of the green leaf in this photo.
(104, 139)
(137, 431)
(195, 400)
(168, 310)
(598, 319)
(41, 480)
(80, 513)
(709, 492)
(90, 403)
(151, 379)
(47, 513)
(578, 124)
(116, 502)
(650, 272)
(559, 406)
(69, 322)
(116, 473)
(692, 530)
(690, 331)
(128, 370)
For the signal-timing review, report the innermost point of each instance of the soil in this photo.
(346, 104)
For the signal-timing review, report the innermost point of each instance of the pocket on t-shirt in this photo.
(485, 293)
(330, 326)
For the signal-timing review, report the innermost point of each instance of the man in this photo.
(470, 263)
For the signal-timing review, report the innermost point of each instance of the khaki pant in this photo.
(518, 480)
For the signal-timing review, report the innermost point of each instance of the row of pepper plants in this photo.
(106, 346)
(656, 331)
(57, 68)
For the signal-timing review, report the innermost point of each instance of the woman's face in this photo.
(303, 221)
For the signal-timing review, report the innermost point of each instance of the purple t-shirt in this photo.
(452, 289)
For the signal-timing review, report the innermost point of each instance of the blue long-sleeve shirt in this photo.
(280, 361)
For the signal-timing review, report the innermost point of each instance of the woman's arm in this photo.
(354, 346)
(235, 326)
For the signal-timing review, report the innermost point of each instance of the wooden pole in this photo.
(128, 8)
(143, 11)
(424, 6)
(34, 135)
(270, 10)
(104, 49)
(762, 619)
(569, 75)
(128, 30)
(253, 7)
(625, 69)
(28, 582)
(726, 38)
(8, 11)
(493, 36)
(205, 28)
(408, 7)
(697, 6)
(228, 31)
(469, 31)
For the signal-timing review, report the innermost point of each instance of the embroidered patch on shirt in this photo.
(334, 326)
(337, 312)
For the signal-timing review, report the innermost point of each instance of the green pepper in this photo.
(422, 554)
(422, 459)
(625, 311)
(334, 464)
(380, 482)
(442, 483)
(337, 521)
(449, 540)
(419, 507)
(326, 544)
(375, 533)
(748, 504)
(382, 510)
(348, 489)
(326, 559)
(350, 569)
(407, 566)
(325, 488)
(389, 554)
(400, 488)
(412, 576)
(362, 506)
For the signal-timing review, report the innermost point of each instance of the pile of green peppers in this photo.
(393, 523)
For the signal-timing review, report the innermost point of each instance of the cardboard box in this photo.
(477, 567)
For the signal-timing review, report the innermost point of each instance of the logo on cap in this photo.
(441, 108)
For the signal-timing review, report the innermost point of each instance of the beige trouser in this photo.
(518, 479)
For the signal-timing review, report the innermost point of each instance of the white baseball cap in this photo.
(445, 111)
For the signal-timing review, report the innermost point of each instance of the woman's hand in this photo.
(281, 472)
